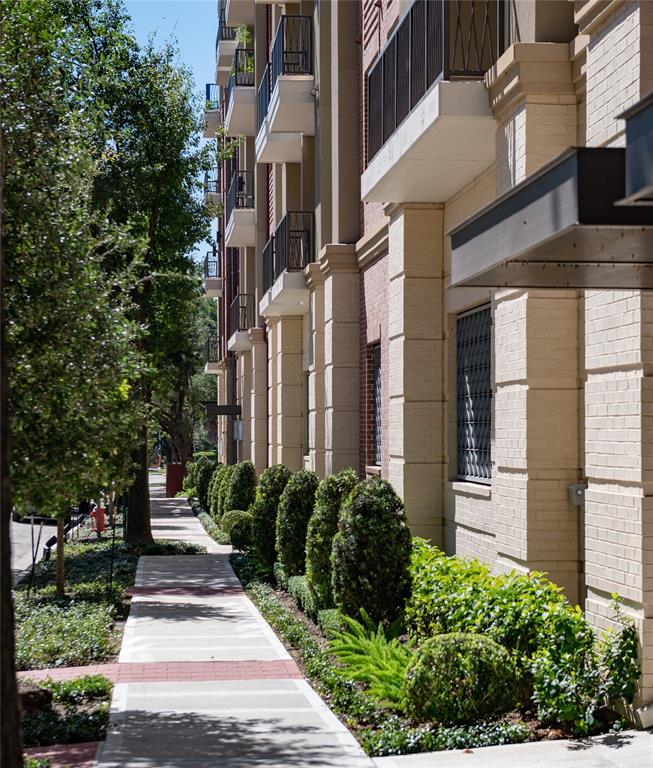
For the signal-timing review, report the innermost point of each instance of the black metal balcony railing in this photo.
(241, 192)
(263, 97)
(436, 40)
(212, 182)
(212, 96)
(212, 349)
(242, 71)
(292, 54)
(224, 32)
(211, 264)
(241, 314)
(291, 248)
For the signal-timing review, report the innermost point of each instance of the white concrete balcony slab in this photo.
(239, 342)
(240, 119)
(288, 296)
(277, 147)
(224, 53)
(241, 228)
(212, 122)
(292, 105)
(239, 13)
(446, 140)
(213, 287)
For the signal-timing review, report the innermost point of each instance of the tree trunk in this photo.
(61, 576)
(11, 748)
(138, 529)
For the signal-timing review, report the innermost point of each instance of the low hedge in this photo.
(301, 594)
(241, 488)
(322, 527)
(458, 679)
(264, 512)
(371, 553)
(557, 659)
(294, 512)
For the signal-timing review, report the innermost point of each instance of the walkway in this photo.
(203, 681)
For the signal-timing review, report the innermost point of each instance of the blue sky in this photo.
(193, 24)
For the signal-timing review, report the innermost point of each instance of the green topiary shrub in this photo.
(295, 510)
(214, 490)
(264, 512)
(330, 621)
(459, 679)
(238, 524)
(188, 483)
(222, 491)
(371, 553)
(203, 477)
(241, 488)
(322, 527)
(280, 575)
(301, 594)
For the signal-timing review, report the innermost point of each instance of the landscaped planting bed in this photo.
(84, 626)
(415, 650)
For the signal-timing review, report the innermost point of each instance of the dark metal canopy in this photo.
(560, 228)
(213, 409)
(639, 152)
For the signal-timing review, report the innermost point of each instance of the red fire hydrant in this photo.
(97, 516)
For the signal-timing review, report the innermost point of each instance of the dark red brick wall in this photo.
(374, 329)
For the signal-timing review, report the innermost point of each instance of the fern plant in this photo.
(373, 655)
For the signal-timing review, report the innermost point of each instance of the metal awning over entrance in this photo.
(213, 409)
(561, 228)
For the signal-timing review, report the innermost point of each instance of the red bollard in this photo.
(174, 479)
(97, 516)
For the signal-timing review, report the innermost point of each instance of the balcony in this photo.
(239, 13)
(212, 354)
(240, 119)
(241, 319)
(430, 127)
(212, 187)
(212, 279)
(225, 46)
(286, 101)
(286, 254)
(240, 214)
(212, 111)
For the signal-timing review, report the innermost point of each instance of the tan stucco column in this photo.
(244, 390)
(271, 323)
(259, 400)
(415, 321)
(288, 379)
(221, 420)
(341, 357)
(315, 284)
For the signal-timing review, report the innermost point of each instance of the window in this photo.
(474, 394)
(376, 402)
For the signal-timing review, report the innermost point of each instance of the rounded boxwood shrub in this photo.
(222, 490)
(203, 478)
(238, 524)
(188, 483)
(371, 553)
(241, 488)
(458, 679)
(294, 512)
(322, 527)
(214, 490)
(264, 512)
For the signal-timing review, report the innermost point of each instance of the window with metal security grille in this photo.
(376, 390)
(474, 394)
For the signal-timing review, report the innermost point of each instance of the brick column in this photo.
(315, 283)
(258, 396)
(416, 435)
(341, 357)
(619, 462)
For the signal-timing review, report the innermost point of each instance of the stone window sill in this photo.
(472, 489)
(373, 470)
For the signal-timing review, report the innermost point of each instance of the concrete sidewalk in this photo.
(218, 688)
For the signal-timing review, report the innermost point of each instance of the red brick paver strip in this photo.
(62, 755)
(184, 591)
(175, 671)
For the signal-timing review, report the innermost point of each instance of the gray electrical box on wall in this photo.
(577, 494)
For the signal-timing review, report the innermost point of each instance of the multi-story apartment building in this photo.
(434, 256)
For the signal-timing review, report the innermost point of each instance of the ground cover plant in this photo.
(80, 628)
(211, 527)
(74, 711)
